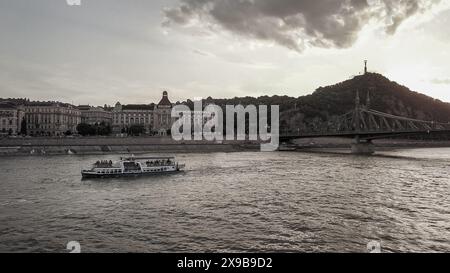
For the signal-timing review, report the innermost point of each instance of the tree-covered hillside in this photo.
(326, 102)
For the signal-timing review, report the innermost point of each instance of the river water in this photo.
(232, 202)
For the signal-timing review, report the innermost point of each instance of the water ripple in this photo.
(232, 202)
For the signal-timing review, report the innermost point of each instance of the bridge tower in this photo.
(356, 116)
(368, 99)
(359, 146)
(357, 100)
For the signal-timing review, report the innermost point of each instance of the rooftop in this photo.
(165, 100)
(138, 107)
(15, 101)
(7, 105)
(90, 108)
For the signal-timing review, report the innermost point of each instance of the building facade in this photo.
(95, 115)
(11, 117)
(155, 119)
(57, 119)
(163, 111)
(126, 116)
(51, 118)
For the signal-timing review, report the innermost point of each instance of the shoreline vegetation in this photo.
(142, 145)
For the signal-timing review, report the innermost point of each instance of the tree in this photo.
(86, 129)
(103, 129)
(136, 130)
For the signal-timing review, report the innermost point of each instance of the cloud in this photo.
(202, 53)
(296, 24)
(441, 81)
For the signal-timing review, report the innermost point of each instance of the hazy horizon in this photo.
(107, 51)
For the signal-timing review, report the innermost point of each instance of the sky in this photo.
(104, 51)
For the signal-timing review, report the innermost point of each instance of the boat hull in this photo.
(92, 175)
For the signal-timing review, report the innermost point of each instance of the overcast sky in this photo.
(106, 51)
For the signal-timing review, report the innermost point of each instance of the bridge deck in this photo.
(363, 135)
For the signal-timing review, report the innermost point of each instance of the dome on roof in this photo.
(165, 100)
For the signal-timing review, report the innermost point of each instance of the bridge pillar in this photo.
(361, 147)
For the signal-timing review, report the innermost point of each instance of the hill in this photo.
(385, 96)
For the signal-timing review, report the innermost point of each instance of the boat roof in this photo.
(147, 158)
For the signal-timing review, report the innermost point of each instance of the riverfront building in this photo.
(57, 119)
(155, 118)
(51, 118)
(125, 116)
(163, 121)
(11, 117)
(95, 115)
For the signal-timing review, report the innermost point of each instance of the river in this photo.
(232, 202)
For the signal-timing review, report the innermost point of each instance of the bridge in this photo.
(364, 124)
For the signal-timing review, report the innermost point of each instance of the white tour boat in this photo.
(133, 166)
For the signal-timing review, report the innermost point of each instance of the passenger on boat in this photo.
(103, 164)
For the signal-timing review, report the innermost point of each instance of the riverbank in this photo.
(342, 145)
(141, 145)
(380, 144)
(114, 145)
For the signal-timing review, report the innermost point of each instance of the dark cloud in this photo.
(296, 24)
